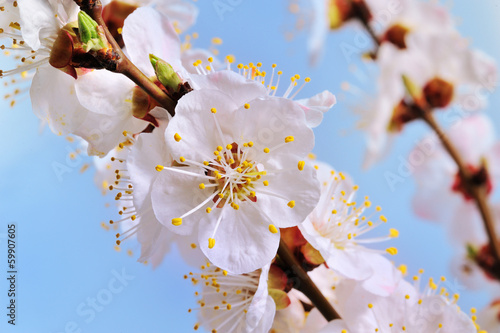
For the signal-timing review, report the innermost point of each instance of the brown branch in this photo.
(478, 191)
(124, 65)
(306, 285)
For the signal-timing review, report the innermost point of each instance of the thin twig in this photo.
(306, 285)
(477, 191)
(127, 68)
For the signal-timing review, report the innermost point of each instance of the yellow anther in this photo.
(266, 150)
(206, 163)
(211, 243)
(216, 152)
(235, 206)
(378, 208)
(273, 229)
(250, 144)
(229, 146)
(201, 186)
(159, 168)
(208, 210)
(210, 59)
(177, 221)
(280, 72)
(219, 148)
(407, 296)
(182, 159)
(289, 139)
(252, 194)
(392, 251)
(177, 137)
(383, 218)
(213, 110)
(301, 165)
(297, 76)
(246, 106)
(403, 269)
(307, 79)
(291, 204)
(393, 233)
(265, 182)
(224, 272)
(370, 305)
(230, 58)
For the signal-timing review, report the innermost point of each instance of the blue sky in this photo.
(66, 260)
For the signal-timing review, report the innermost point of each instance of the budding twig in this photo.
(478, 191)
(123, 64)
(306, 285)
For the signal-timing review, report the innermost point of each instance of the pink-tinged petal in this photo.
(473, 137)
(243, 242)
(493, 164)
(174, 194)
(237, 87)
(104, 92)
(315, 106)
(54, 100)
(466, 225)
(385, 277)
(146, 31)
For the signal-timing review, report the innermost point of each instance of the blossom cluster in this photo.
(215, 158)
(424, 65)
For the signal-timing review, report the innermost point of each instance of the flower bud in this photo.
(411, 87)
(91, 34)
(165, 73)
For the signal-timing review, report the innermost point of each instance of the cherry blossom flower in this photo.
(405, 310)
(335, 228)
(440, 197)
(233, 303)
(240, 174)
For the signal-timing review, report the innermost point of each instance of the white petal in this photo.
(174, 194)
(105, 92)
(54, 100)
(243, 242)
(146, 31)
(315, 106)
(237, 87)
